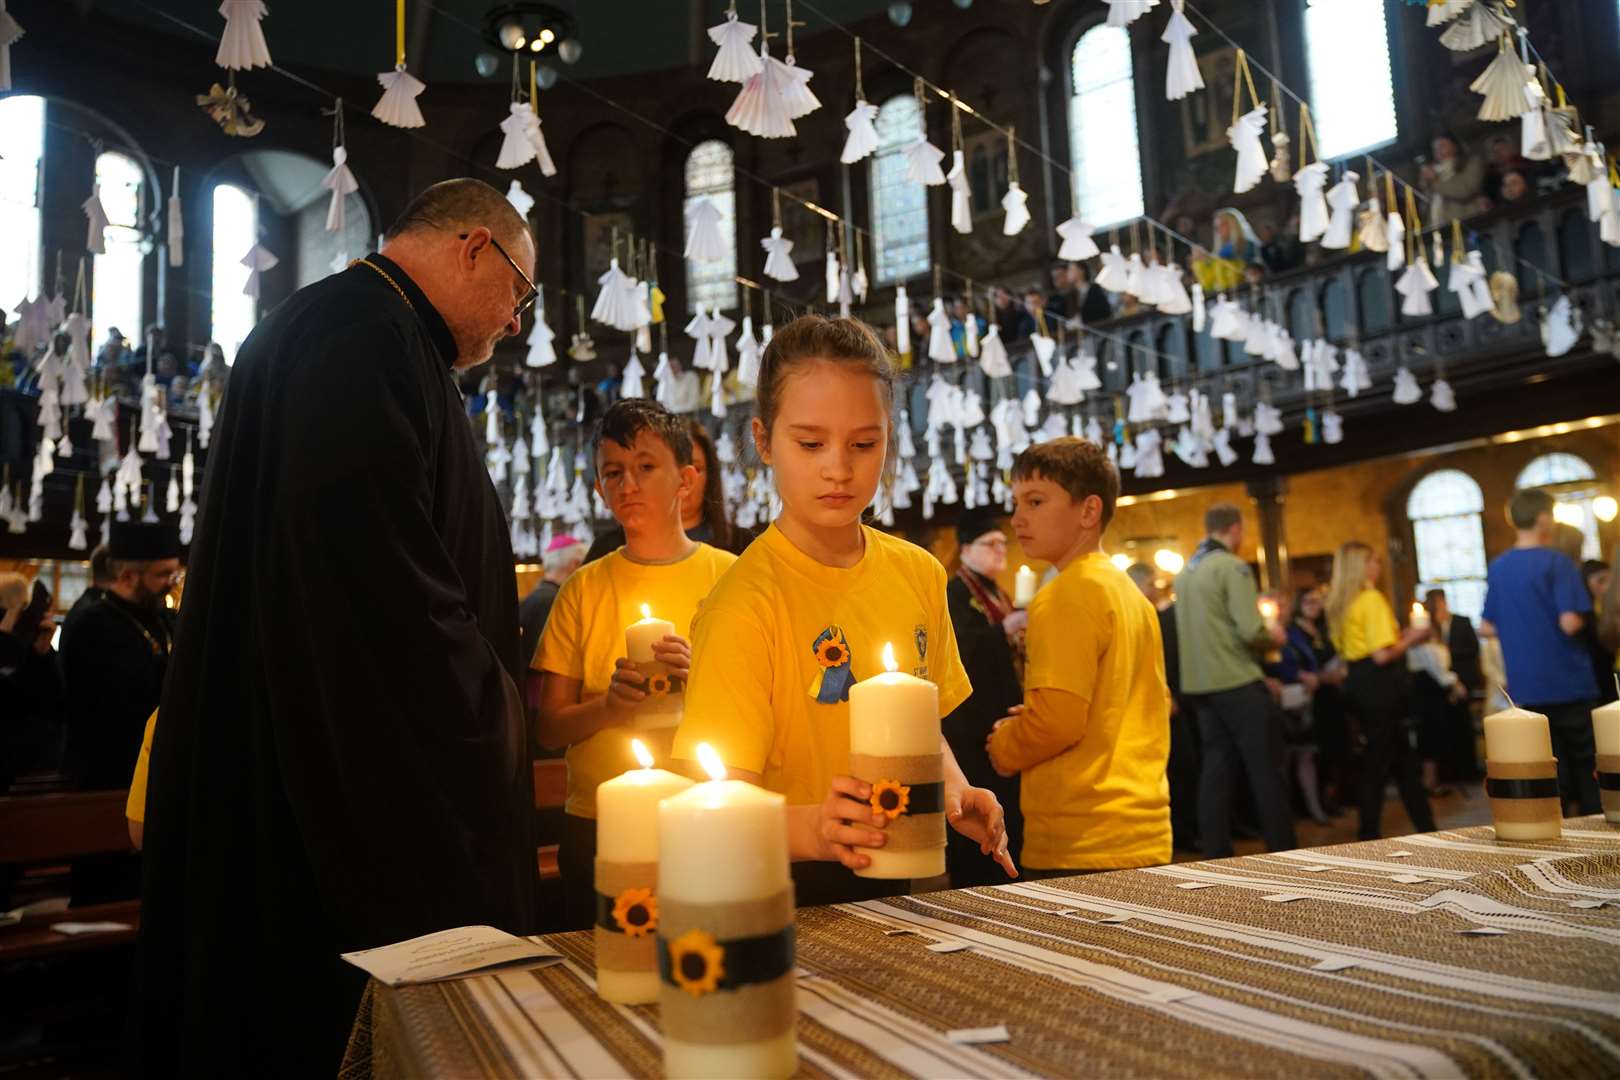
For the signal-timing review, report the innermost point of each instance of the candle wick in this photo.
(1503, 687)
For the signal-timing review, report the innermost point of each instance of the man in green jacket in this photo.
(1223, 637)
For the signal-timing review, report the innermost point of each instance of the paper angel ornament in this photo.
(833, 275)
(1588, 165)
(1222, 445)
(902, 321)
(718, 359)
(1535, 141)
(779, 256)
(96, 218)
(1415, 285)
(862, 138)
(1502, 84)
(397, 107)
(1395, 258)
(1332, 428)
(205, 416)
(1257, 338)
(1356, 377)
(632, 378)
(177, 221)
(795, 83)
(1560, 327)
(1032, 407)
(1115, 270)
(1065, 387)
(1127, 455)
(1311, 182)
(521, 200)
(970, 334)
(242, 45)
(717, 395)
(1469, 281)
(616, 301)
(736, 61)
(257, 260)
(10, 33)
(749, 354)
(1198, 312)
(1407, 391)
(1182, 76)
(922, 163)
(1342, 198)
(1176, 410)
(542, 350)
(941, 349)
(1443, 11)
(704, 240)
(1227, 321)
(1016, 205)
(341, 183)
(517, 145)
(1372, 228)
(993, 360)
(1133, 275)
(1150, 454)
(761, 107)
(961, 194)
(1478, 25)
(1267, 419)
(1077, 242)
(1441, 396)
(1262, 450)
(1190, 449)
(1125, 12)
(1252, 163)
(858, 282)
(1044, 348)
(1173, 296)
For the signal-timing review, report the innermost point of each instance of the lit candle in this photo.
(725, 930)
(1521, 776)
(1420, 616)
(1269, 612)
(1606, 731)
(627, 879)
(665, 694)
(894, 745)
(1024, 585)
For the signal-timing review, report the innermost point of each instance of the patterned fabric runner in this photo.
(1362, 960)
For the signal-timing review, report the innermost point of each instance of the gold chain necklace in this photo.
(384, 275)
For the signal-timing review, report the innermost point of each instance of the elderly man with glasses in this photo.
(340, 760)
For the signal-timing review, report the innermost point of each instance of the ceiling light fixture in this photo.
(531, 26)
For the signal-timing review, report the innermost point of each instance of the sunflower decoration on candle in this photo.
(835, 677)
(890, 798)
(659, 685)
(635, 911)
(697, 961)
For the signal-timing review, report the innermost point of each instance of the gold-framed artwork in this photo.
(1206, 114)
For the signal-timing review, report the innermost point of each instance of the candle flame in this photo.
(646, 611)
(1417, 609)
(643, 758)
(1023, 569)
(711, 761)
(1268, 608)
(889, 662)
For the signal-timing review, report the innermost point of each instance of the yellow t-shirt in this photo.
(1369, 625)
(584, 638)
(1103, 801)
(781, 639)
(135, 805)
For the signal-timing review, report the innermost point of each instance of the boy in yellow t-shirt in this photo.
(1093, 735)
(590, 693)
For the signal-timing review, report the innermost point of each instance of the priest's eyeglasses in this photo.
(529, 297)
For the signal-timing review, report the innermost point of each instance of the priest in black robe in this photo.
(340, 760)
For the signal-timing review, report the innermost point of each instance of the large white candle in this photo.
(1606, 732)
(725, 891)
(1269, 612)
(1024, 585)
(627, 879)
(1419, 616)
(894, 744)
(1518, 750)
(662, 707)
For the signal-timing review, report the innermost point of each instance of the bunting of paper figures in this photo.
(765, 105)
(1076, 232)
(1015, 203)
(11, 32)
(397, 107)
(1115, 270)
(1503, 85)
(922, 156)
(862, 138)
(242, 45)
(1181, 76)
(340, 180)
(1125, 12)
(177, 222)
(941, 349)
(1244, 134)
(1418, 281)
(735, 62)
(1476, 26)
(96, 220)
(1342, 200)
(1443, 11)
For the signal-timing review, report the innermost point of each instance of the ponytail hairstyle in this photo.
(1348, 582)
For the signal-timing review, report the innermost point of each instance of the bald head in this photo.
(458, 206)
(471, 252)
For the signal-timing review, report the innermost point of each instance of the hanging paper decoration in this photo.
(1252, 164)
(1077, 240)
(1443, 11)
(1373, 230)
(242, 45)
(704, 240)
(862, 138)
(1342, 198)
(1560, 327)
(521, 200)
(1415, 285)
(1356, 377)
(257, 260)
(941, 349)
(11, 32)
(922, 163)
(1015, 202)
(902, 321)
(517, 146)
(1476, 26)
(1115, 271)
(1310, 182)
(749, 353)
(735, 62)
(1125, 12)
(96, 242)
(776, 95)
(340, 180)
(1470, 282)
(961, 194)
(397, 106)
(542, 351)
(1441, 396)
(230, 110)
(177, 224)
(858, 281)
(1407, 391)
(615, 302)
(1503, 85)
(779, 256)
(1182, 76)
(993, 359)
(833, 272)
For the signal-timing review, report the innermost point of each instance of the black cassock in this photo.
(340, 759)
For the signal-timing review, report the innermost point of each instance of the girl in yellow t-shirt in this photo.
(1365, 632)
(806, 611)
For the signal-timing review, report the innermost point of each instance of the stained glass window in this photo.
(1102, 127)
(1449, 536)
(711, 175)
(899, 204)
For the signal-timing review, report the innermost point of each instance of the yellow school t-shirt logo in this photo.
(834, 675)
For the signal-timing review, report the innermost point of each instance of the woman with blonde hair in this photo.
(1365, 632)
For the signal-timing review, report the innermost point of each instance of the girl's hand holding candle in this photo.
(662, 660)
(1024, 586)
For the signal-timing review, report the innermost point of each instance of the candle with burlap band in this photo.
(1524, 799)
(727, 971)
(627, 927)
(1608, 776)
(662, 706)
(1606, 737)
(908, 792)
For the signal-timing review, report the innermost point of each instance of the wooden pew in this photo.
(550, 792)
(56, 828)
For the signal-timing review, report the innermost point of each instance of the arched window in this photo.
(710, 175)
(1102, 127)
(1573, 484)
(236, 230)
(115, 297)
(1449, 536)
(1352, 96)
(899, 204)
(22, 147)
